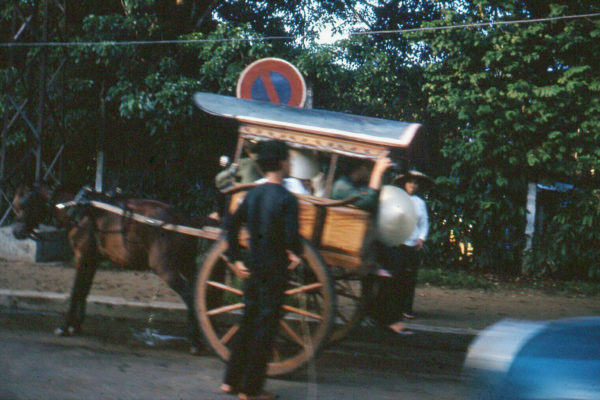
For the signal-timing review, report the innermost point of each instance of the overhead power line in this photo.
(476, 25)
(313, 36)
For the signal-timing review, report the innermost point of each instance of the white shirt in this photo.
(422, 227)
(293, 185)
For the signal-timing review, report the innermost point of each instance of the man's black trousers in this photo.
(253, 345)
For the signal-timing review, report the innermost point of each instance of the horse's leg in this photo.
(84, 275)
(166, 268)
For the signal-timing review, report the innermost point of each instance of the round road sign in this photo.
(273, 80)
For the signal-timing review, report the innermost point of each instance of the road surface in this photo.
(117, 359)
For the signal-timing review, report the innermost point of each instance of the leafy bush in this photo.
(568, 247)
(453, 279)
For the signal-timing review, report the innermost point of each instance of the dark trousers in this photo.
(410, 260)
(389, 297)
(253, 345)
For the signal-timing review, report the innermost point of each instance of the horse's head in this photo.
(31, 207)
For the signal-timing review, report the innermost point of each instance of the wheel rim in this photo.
(307, 313)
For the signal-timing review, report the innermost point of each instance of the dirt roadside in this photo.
(434, 306)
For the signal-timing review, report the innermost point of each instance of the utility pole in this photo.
(31, 72)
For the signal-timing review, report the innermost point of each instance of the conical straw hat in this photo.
(396, 217)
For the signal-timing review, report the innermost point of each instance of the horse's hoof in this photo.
(74, 330)
(196, 350)
(61, 332)
(68, 331)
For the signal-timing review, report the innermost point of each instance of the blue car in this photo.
(524, 360)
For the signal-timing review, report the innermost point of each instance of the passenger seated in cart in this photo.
(358, 180)
(305, 177)
(304, 168)
(246, 171)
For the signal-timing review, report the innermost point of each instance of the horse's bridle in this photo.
(33, 208)
(46, 202)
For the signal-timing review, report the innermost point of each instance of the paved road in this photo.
(117, 359)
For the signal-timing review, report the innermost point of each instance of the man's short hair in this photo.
(348, 165)
(270, 155)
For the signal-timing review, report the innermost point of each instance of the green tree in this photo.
(515, 104)
(502, 105)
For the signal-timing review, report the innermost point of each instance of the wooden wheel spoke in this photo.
(294, 283)
(346, 290)
(302, 312)
(305, 288)
(276, 355)
(224, 287)
(348, 295)
(294, 264)
(306, 316)
(342, 287)
(288, 330)
(228, 263)
(315, 300)
(341, 316)
(225, 309)
(229, 334)
(240, 273)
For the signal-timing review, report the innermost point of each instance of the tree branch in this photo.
(350, 5)
(206, 14)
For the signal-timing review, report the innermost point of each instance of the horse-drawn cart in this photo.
(324, 292)
(323, 297)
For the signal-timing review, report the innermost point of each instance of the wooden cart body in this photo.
(334, 230)
(339, 231)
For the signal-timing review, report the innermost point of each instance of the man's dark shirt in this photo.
(368, 199)
(271, 215)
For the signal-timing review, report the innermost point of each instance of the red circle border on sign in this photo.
(261, 68)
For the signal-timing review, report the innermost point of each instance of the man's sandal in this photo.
(264, 395)
(228, 389)
(398, 328)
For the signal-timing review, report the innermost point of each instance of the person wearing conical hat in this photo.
(409, 251)
(390, 289)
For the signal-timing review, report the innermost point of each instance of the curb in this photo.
(118, 307)
(105, 306)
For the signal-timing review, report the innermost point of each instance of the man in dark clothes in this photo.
(271, 215)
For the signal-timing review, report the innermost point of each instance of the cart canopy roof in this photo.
(328, 130)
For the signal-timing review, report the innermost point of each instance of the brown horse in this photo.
(97, 234)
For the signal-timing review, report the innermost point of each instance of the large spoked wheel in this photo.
(350, 307)
(307, 315)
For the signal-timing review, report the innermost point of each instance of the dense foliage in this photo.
(503, 105)
(518, 103)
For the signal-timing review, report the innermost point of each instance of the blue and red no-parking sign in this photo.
(273, 80)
